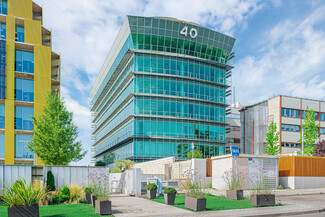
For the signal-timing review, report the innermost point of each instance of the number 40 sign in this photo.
(192, 33)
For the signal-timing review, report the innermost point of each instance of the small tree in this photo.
(123, 165)
(197, 154)
(109, 158)
(272, 140)
(320, 149)
(55, 134)
(100, 163)
(310, 130)
(50, 182)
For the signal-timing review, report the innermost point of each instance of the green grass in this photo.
(73, 210)
(213, 203)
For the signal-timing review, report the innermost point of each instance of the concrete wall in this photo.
(297, 182)
(179, 168)
(160, 166)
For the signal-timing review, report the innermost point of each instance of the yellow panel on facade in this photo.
(10, 28)
(21, 8)
(33, 32)
(9, 132)
(42, 61)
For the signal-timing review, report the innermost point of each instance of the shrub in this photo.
(115, 170)
(170, 190)
(280, 187)
(50, 182)
(89, 190)
(83, 201)
(99, 181)
(76, 192)
(65, 191)
(22, 194)
(100, 163)
(124, 164)
(151, 186)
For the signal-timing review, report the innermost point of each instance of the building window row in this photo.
(292, 128)
(24, 90)
(294, 113)
(179, 66)
(175, 87)
(24, 61)
(179, 109)
(290, 145)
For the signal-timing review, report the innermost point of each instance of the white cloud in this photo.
(291, 61)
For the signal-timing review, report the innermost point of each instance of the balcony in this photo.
(56, 71)
(46, 37)
(37, 12)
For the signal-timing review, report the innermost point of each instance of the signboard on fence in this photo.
(234, 150)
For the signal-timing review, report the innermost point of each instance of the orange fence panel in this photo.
(209, 167)
(302, 166)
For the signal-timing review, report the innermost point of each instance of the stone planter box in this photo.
(88, 198)
(23, 211)
(195, 204)
(169, 199)
(263, 200)
(235, 194)
(103, 207)
(151, 194)
(93, 199)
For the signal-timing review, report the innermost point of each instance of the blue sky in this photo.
(280, 45)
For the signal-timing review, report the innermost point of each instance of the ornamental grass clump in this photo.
(99, 182)
(194, 184)
(76, 193)
(233, 180)
(22, 193)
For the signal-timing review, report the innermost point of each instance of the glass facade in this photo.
(2, 116)
(3, 31)
(23, 119)
(3, 7)
(21, 148)
(20, 34)
(170, 93)
(24, 90)
(2, 145)
(24, 61)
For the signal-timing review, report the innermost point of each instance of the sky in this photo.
(279, 48)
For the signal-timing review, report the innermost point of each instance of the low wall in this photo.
(160, 166)
(178, 169)
(299, 172)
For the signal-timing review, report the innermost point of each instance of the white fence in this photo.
(63, 175)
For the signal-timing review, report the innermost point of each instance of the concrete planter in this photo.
(103, 207)
(195, 204)
(263, 200)
(151, 194)
(235, 194)
(93, 199)
(169, 199)
(23, 211)
(88, 198)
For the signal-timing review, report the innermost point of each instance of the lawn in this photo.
(213, 203)
(73, 210)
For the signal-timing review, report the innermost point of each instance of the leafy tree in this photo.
(272, 140)
(50, 183)
(320, 149)
(197, 154)
(100, 163)
(109, 158)
(310, 133)
(55, 134)
(123, 165)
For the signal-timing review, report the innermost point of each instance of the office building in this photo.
(288, 113)
(28, 69)
(162, 87)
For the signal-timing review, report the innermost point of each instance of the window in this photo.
(292, 128)
(20, 36)
(2, 145)
(322, 130)
(3, 31)
(23, 120)
(24, 90)
(2, 116)
(3, 7)
(291, 113)
(290, 145)
(24, 61)
(21, 149)
(304, 113)
(322, 116)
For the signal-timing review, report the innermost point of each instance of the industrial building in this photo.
(28, 70)
(288, 113)
(162, 87)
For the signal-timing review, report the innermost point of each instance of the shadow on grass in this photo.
(54, 216)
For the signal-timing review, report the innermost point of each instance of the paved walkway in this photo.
(294, 205)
